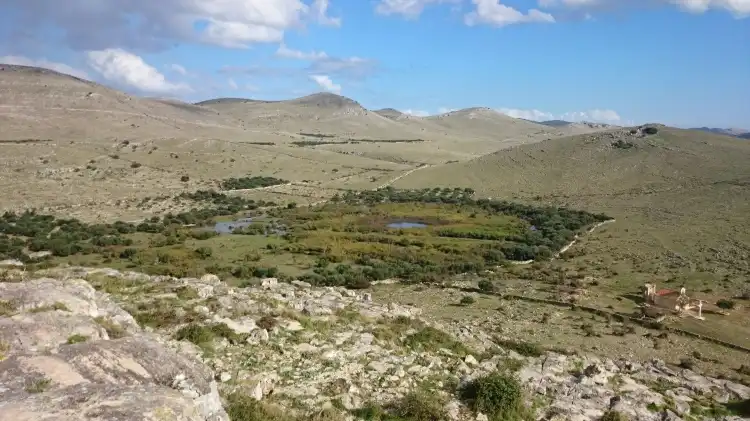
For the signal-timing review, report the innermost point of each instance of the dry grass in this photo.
(681, 200)
(97, 136)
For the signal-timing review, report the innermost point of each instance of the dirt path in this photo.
(393, 180)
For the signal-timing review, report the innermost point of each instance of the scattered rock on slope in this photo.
(306, 347)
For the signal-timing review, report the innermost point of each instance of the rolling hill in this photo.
(680, 197)
(74, 146)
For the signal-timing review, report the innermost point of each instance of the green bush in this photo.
(195, 333)
(612, 415)
(498, 395)
(419, 406)
(467, 300)
(75, 339)
(526, 349)
(415, 406)
(725, 304)
(204, 252)
(486, 285)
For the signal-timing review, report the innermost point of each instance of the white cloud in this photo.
(444, 110)
(134, 24)
(58, 67)
(321, 63)
(124, 68)
(739, 8)
(595, 115)
(326, 83)
(232, 84)
(407, 8)
(287, 52)
(319, 10)
(416, 113)
(492, 12)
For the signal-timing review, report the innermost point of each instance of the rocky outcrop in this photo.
(69, 352)
(301, 347)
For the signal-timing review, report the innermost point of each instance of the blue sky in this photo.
(680, 62)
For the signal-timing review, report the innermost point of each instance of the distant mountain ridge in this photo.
(735, 132)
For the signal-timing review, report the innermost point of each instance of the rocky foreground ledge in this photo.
(100, 344)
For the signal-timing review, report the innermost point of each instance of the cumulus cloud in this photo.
(407, 8)
(326, 83)
(739, 8)
(286, 52)
(319, 11)
(492, 12)
(123, 68)
(145, 24)
(595, 115)
(444, 110)
(321, 63)
(41, 62)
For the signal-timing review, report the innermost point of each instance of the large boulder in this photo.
(63, 357)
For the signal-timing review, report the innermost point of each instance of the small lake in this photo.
(406, 224)
(228, 226)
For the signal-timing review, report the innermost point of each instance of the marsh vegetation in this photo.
(348, 241)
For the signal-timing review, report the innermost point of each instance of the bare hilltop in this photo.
(310, 259)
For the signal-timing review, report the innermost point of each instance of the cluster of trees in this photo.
(63, 237)
(223, 204)
(455, 195)
(250, 182)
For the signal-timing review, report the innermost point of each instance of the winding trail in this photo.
(393, 180)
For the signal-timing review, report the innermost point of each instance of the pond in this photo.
(227, 227)
(406, 224)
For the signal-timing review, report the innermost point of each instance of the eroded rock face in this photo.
(60, 361)
(97, 401)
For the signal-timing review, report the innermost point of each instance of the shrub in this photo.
(498, 395)
(195, 333)
(621, 144)
(419, 406)
(74, 339)
(725, 304)
(204, 252)
(135, 165)
(612, 415)
(185, 178)
(650, 130)
(267, 322)
(430, 339)
(467, 300)
(486, 285)
(526, 349)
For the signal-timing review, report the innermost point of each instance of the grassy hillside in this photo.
(681, 199)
